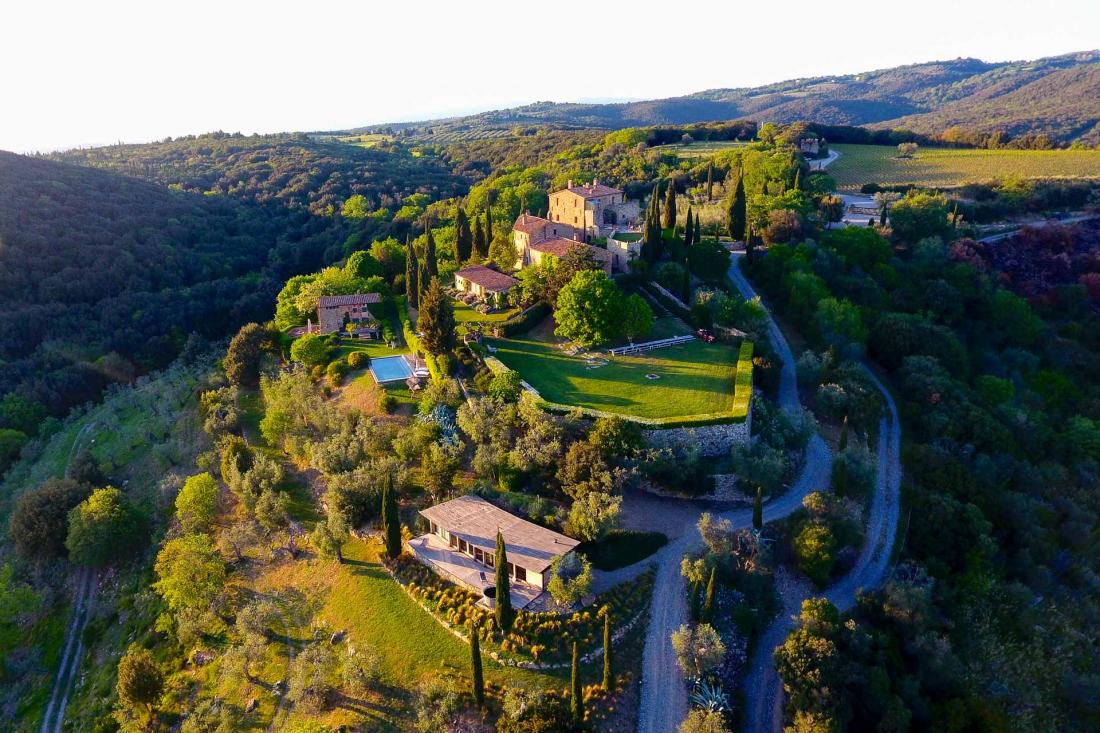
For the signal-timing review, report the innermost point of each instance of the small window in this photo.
(520, 573)
(490, 560)
(478, 555)
(462, 546)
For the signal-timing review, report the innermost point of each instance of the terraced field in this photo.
(699, 149)
(860, 164)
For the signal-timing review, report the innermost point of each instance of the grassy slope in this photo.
(859, 164)
(699, 149)
(695, 378)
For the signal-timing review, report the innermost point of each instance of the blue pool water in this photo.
(390, 369)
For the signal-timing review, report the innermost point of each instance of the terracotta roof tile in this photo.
(558, 246)
(487, 278)
(593, 190)
(530, 224)
(329, 301)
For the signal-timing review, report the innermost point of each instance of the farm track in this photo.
(54, 716)
(664, 696)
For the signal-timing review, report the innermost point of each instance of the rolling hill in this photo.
(1058, 96)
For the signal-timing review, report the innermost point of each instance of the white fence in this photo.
(649, 345)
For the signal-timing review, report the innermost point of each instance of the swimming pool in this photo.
(390, 369)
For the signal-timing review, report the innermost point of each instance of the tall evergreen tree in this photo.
(488, 227)
(798, 179)
(464, 240)
(843, 435)
(698, 231)
(429, 254)
(422, 282)
(608, 674)
(881, 216)
(479, 248)
(391, 522)
(708, 604)
(694, 601)
(689, 231)
(475, 665)
(750, 243)
(758, 509)
(503, 592)
(437, 320)
(576, 702)
(710, 181)
(412, 275)
(735, 210)
(668, 216)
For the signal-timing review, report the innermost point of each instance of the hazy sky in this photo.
(85, 73)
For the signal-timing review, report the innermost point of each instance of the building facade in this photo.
(536, 238)
(594, 209)
(483, 281)
(335, 311)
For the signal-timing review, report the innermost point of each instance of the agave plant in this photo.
(710, 697)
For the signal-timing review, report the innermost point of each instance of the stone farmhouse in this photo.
(335, 311)
(596, 210)
(483, 281)
(536, 238)
(461, 546)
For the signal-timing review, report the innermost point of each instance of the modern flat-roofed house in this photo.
(593, 209)
(462, 547)
(334, 311)
(483, 281)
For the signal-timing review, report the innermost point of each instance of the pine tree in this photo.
(503, 592)
(758, 509)
(412, 276)
(576, 702)
(391, 523)
(464, 240)
(668, 216)
(708, 604)
(689, 231)
(479, 247)
(437, 320)
(429, 254)
(735, 211)
(475, 665)
(710, 181)
(608, 675)
(843, 435)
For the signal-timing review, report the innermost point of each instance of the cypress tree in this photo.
(735, 210)
(881, 216)
(479, 247)
(710, 180)
(689, 231)
(758, 509)
(708, 604)
(698, 232)
(750, 243)
(503, 594)
(391, 523)
(488, 227)
(475, 665)
(694, 605)
(840, 476)
(608, 680)
(798, 179)
(576, 703)
(463, 238)
(843, 435)
(429, 254)
(668, 217)
(412, 275)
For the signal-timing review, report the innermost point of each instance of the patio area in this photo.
(465, 571)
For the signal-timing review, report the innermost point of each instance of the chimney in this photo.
(570, 185)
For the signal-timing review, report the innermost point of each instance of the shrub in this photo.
(524, 321)
(358, 359)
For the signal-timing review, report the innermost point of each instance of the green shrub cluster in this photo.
(524, 321)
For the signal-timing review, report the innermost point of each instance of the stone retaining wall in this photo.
(713, 440)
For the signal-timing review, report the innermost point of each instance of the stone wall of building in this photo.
(713, 440)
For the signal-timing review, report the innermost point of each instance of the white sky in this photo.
(83, 73)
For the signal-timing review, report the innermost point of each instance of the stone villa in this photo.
(334, 311)
(482, 281)
(461, 546)
(594, 209)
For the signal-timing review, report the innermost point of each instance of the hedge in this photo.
(742, 396)
(525, 320)
(674, 307)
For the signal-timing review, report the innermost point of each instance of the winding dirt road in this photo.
(664, 702)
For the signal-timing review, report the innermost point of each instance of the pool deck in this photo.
(407, 363)
(467, 572)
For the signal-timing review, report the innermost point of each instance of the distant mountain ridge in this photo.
(1058, 96)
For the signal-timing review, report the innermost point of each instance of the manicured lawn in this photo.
(466, 314)
(700, 149)
(371, 348)
(859, 164)
(623, 547)
(627, 236)
(694, 378)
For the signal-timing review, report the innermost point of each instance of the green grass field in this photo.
(695, 378)
(465, 314)
(699, 149)
(860, 164)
